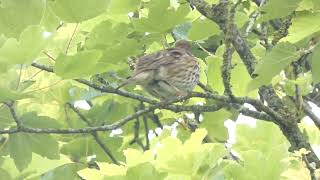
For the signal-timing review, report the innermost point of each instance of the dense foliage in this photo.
(259, 60)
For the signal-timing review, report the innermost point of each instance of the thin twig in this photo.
(136, 138)
(307, 109)
(49, 56)
(204, 49)
(35, 74)
(227, 56)
(253, 19)
(155, 119)
(310, 168)
(42, 88)
(146, 127)
(95, 135)
(109, 127)
(204, 87)
(71, 38)
(104, 148)
(19, 78)
(14, 114)
(275, 109)
(59, 26)
(175, 108)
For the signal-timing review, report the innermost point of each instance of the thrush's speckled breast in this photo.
(168, 73)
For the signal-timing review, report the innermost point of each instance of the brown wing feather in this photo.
(156, 60)
(152, 67)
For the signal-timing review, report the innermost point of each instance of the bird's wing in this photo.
(161, 58)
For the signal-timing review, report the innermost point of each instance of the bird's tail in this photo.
(126, 82)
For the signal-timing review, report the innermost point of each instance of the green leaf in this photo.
(258, 138)
(31, 119)
(112, 171)
(86, 146)
(81, 64)
(189, 158)
(113, 143)
(212, 1)
(162, 17)
(49, 19)
(17, 15)
(240, 77)
(316, 4)
(203, 29)
(38, 166)
(4, 174)
(272, 63)
(44, 145)
(214, 73)
(277, 9)
(305, 5)
(72, 12)
(67, 171)
(257, 165)
(5, 117)
(78, 148)
(315, 64)
(2, 39)
(109, 112)
(241, 18)
(123, 6)
(107, 34)
(7, 95)
(36, 141)
(263, 155)
(30, 44)
(60, 94)
(20, 150)
(32, 142)
(214, 123)
(144, 171)
(135, 157)
(119, 53)
(300, 21)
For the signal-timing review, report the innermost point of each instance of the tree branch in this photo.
(216, 14)
(276, 109)
(307, 109)
(14, 114)
(95, 135)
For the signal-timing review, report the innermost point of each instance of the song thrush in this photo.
(168, 73)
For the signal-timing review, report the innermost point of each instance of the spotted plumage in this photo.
(168, 73)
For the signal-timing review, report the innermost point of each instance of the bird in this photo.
(168, 73)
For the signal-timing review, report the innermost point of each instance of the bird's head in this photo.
(183, 44)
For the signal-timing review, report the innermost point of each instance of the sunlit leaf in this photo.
(123, 6)
(315, 65)
(300, 21)
(161, 17)
(30, 44)
(106, 34)
(144, 171)
(214, 123)
(214, 73)
(17, 15)
(272, 63)
(202, 29)
(9, 95)
(67, 171)
(83, 10)
(277, 9)
(81, 64)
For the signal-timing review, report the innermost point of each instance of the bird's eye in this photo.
(176, 53)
